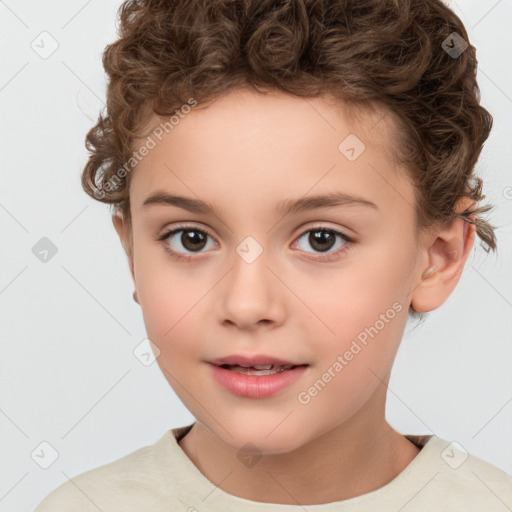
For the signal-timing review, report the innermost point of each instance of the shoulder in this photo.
(128, 483)
(459, 478)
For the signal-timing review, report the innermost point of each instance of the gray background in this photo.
(68, 374)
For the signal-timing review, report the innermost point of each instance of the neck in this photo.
(355, 458)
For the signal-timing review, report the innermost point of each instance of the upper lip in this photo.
(254, 360)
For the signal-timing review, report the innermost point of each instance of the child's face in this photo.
(343, 316)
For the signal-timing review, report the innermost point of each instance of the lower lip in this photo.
(256, 386)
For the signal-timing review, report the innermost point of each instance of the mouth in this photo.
(257, 361)
(256, 376)
(265, 369)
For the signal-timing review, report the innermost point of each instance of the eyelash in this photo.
(179, 256)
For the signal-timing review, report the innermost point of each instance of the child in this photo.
(258, 131)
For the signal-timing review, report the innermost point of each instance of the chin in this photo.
(264, 440)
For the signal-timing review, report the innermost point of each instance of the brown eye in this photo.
(322, 240)
(185, 240)
(193, 240)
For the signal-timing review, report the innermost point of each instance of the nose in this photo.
(250, 295)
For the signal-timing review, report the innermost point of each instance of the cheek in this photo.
(367, 310)
(168, 297)
(370, 292)
(379, 279)
(350, 371)
(170, 325)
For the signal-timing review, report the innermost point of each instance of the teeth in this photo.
(267, 369)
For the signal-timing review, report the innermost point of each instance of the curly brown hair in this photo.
(411, 57)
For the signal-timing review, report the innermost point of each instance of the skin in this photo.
(244, 153)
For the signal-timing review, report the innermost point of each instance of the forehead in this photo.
(271, 142)
(249, 113)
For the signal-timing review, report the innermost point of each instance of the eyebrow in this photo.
(286, 207)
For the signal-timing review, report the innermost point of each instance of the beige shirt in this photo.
(161, 478)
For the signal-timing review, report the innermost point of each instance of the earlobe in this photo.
(447, 255)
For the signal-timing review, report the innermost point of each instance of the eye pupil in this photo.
(319, 237)
(194, 240)
(196, 237)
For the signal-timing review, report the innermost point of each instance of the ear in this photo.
(447, 255)
(125, 235)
